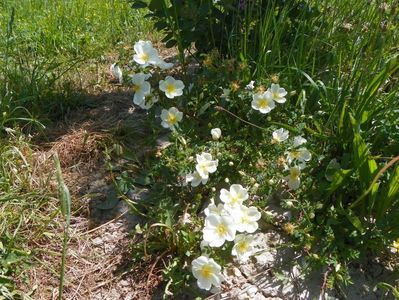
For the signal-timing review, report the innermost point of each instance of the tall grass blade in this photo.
(65, 199)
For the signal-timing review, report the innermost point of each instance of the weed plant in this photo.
(45, 43)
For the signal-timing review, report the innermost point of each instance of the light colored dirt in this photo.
(98, 258)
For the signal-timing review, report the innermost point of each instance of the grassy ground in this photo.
(46, 46)
(51, 55)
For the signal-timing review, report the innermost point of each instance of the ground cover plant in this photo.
(295, 102)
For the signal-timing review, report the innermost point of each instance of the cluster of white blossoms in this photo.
(297, 156)
(264, 102)
(229, 221)
(144, 96)
(205, 166)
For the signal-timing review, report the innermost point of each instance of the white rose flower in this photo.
(171, 117)
(243, 248)
(195, 179)
(278, 93)
(246, 218)
(216, 133)
(280, 135)
(205, 164)
(234, 197)
(218, 229)
(207, 272)
(298, 141)
(293, 179)
(263, 102)
(141, 87)
(171, 87)
(146, 54)
(218, 210)
(302, 155)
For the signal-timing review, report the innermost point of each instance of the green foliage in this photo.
(338, 60)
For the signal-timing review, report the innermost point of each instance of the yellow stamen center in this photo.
(221, 229)
(206, 271)
(172, 119)
(243, 246)
(136, 88)
(144, 56)
(263, 103)
(296, 154)
(294, 174)
(170, 88)
(234, 199)
(245, 220)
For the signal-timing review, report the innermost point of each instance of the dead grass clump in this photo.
(78, 146)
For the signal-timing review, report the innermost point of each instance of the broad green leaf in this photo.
(339, 179)
(394, 184)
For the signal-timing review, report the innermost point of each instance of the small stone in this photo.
(97, 241)
(237, 272)
(124, 283)
(252, 290)
(264, 258)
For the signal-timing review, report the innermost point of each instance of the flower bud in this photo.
(216, 133)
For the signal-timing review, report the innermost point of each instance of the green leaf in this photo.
(160, 25)
(203, 108)
(143, 180)
(355, 221)
(389, 194)
(137, 4)
(171, 43)
(366, 166)
(156, 5)
(339, 179)
(341, 125)
(394, 184)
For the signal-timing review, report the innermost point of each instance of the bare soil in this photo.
(98, 258)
